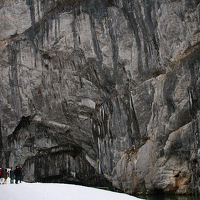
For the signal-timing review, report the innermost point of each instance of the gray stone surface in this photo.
(102, 92)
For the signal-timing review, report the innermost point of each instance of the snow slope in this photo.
(42, 191)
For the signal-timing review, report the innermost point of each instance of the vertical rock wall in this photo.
(104, 87)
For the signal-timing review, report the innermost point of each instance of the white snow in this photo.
(48, 191)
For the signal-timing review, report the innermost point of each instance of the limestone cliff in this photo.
(102, 92)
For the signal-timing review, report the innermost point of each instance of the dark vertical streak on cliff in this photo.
(47, 29)
(151, 25)
(38, 9)
(31, 32)
(74, 30)
(115, 49)
(148, 18)
(139, 18)
(95, 40)
(119, 114)
(13, 77)
(57, 24)
(30, 3)
(130, 17)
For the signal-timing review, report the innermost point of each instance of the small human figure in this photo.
(17, 174)
(5, 176)
(21, 173)
(2, 175)
(12, 176)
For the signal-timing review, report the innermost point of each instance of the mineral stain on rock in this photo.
(102, 93)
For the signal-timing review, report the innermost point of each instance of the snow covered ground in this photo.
(47, 191)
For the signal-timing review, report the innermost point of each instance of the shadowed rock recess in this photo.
(102, 92)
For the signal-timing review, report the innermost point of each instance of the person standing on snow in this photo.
(5, 176)
(17, 174)
(21, 174)
(2, 175)
(12, 175)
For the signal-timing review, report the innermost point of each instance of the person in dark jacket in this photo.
(21, 173)
(12, 176)
(17, 174)
(2, 175)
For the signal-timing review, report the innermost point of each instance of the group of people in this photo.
(13, 174)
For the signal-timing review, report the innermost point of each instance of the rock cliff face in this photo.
(102, 92)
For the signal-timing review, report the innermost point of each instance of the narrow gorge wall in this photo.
(102, 92)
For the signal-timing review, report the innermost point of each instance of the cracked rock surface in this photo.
(102, 92)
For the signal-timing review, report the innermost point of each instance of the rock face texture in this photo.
(102, 92)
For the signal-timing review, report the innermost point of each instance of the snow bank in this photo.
(42, 191)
